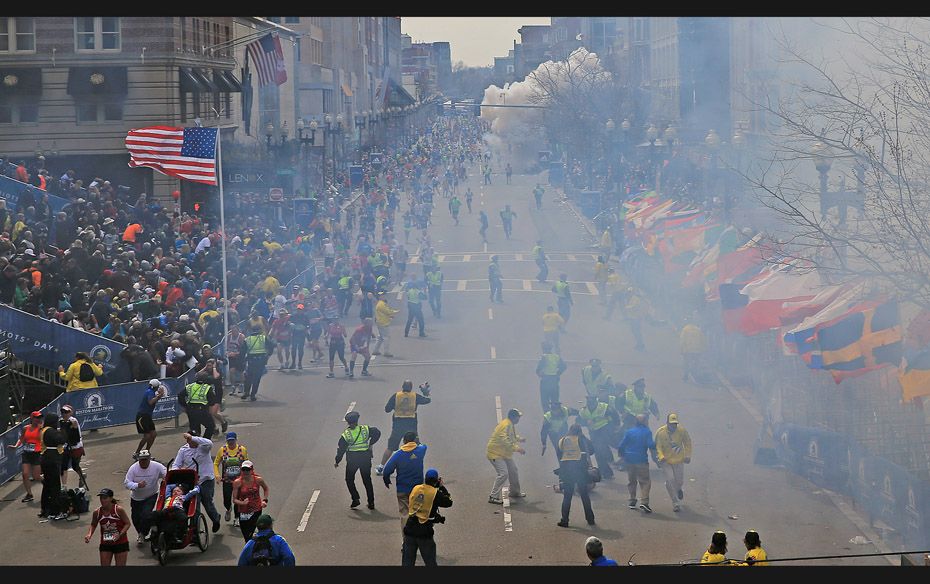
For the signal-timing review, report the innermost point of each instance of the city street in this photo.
(480, 360)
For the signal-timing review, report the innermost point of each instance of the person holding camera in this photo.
(404, 405)
(425, 501)
(575, 451)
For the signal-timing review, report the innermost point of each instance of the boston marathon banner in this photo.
(49, 344)
(11, 189)
(98, 407)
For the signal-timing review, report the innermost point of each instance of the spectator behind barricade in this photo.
(81, 374)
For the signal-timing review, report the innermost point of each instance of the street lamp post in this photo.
(306, 144)
(361, 120)
(332, 129)
(712, 141)
(652, 134)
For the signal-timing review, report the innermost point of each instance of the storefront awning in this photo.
(346, 90)
(225, 81)
(205, 81)
(189, 83)
(97, 81)
(20, 81)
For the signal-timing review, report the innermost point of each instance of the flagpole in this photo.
(219, 169)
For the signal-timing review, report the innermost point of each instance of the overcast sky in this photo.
(474, 40)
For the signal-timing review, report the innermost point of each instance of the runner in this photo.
(114, 525)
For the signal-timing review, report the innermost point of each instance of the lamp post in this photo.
(374, 119)
(306, 144)
(333, 129)
(712, 141)
(652, 134)
(361, 120)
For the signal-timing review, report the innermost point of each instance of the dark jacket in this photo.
(414, 528)
(374, 435)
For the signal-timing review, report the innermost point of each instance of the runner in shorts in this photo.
(359, 342)
(144, 424)
(31, 441)
(114, 525)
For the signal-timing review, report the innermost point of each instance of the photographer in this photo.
(425, 501)
(404, 405)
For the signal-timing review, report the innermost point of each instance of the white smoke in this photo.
(517, 134)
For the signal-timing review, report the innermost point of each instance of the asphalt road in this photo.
(477, 356)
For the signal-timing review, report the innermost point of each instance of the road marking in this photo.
(592, 288)
(306, 517)
(485, 247)
(461, 285)
(571, 257)
(527, 285)
(493, 352)
(351, 407)
(508, 520)
(519, 257)
(497, 404)
(465, 258)
(442, 258)
(490, 314)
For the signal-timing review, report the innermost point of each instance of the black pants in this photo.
(565, 308)
(297, 349)
(543, 274)
(197, 416)
(359, 462)
(247, 526)
(497, 286)
(435, 300)
(254, 370)
(600, 439)
(337, 349)
(51, 484)
(415, 311)
(427, 547)
(345, 300)
(227, 499)
(548, 390)
(141, 513)
(568, 490)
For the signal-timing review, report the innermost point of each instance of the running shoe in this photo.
(27, 499)
(330, 375)
(228, 513)
(365, 373)
(645, 508)
(632, 504)
(681, 494)
(379, 470)
(495, 501)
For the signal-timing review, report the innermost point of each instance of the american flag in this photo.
(188, 153)
(268, 58)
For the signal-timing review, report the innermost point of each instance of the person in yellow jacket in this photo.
(636, 310)
(716, 554)
(607, 244)
(600, 276)
(503, 443)
(384, 314)
(673, 447)
(755, 555)
(73, 375)
(693, 343)
(613, 290)
(552, 324)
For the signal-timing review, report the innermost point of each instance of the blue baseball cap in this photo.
(432, 474)
(231, 435)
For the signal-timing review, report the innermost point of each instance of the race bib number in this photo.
(110, 534)
(246, 516)
(30, 447)
(232, 471)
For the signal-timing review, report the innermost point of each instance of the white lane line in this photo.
(490, 314)
(508, 520)
(592, 288)
(497, 404)
(306, 517)
(351, 407)
(465, 258)
(527, 285)
(461, 285)
(519, 257)
(493, 352)
(485, 247)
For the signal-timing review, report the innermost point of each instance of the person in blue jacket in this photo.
(266, 548)
(408, 462)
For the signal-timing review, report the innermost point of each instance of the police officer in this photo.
(344, 293)
(596, 415)
(636, 401)
(574, 450)
(256, 350)
(594, 378)
(195, 398)
(549, 369)
(434, 280)
(415, 298)
(563, 295)
(539, 255)
(355, 444)
(404, 405)
(555, 425)
(494, 279)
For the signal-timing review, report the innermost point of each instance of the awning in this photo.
(20, 81)
(226, 82)
(346, 90)
(97, 81)
(204, 80)
(189, 83)
(397, 95)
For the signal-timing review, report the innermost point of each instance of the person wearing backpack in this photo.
(266, 548)
(81, 374)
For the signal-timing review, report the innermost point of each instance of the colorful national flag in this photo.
(799, 340)
(868, 338)
(794, 311)
(914, 376)
(268, 58)
(767, 295)
(187, 153)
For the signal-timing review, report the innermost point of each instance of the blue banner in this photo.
(49, 344)
(820, 456)
(11, 189)
(356, 175)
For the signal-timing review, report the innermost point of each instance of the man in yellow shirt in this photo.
(693, 343)
(384, 314)
(503, 443)
(73, 375)
(613, 288)
(270, 284)
(552, 323)
(673, 447)
(600, 277)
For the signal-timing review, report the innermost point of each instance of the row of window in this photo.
(91, 34)
(90, 112)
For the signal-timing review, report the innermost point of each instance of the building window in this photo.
(17, 35)
(6, 114)
(86, 112)
(112, 112)
(92, 112)
(96, 33)
(28, 113)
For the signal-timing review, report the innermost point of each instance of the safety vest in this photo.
(570, 448)
(60, 448)
(255, 344)
(357, 438)
(376, 260)
(344, 282)
(592, 384)
(635, 406)
(405, 404)
(434, 278)
(597, 419)
(561, 289)
(557, 425)
(421, 501)
(413, 295)
(197, 393)
(550, 364)
(538, 252)
(32, 438)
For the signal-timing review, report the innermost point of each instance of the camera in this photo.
(424, 388)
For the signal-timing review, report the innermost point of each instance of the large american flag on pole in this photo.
(268, 58)
(187, 153)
